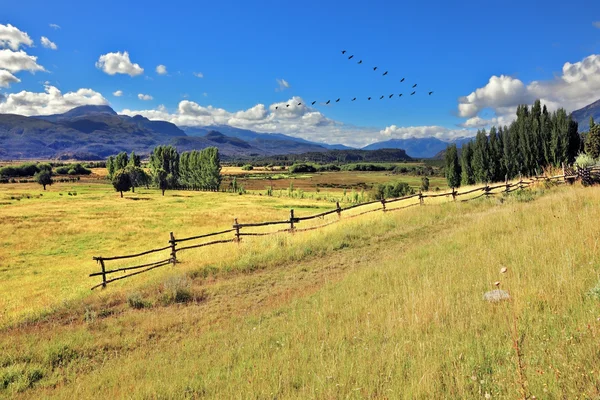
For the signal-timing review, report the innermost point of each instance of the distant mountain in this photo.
(95, 132)
(582, 116)
(273, 138)
(417, 147)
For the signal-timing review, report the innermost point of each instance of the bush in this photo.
(328, 167)
(584, 160)
(177, 290)
(392, 190)
(136, 301)
(302, 168)
(247, 167)
(72, 169)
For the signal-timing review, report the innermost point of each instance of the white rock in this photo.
(495, 296)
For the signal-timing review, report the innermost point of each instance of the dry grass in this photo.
(385, 306)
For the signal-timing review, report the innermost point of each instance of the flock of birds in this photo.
(368, 98)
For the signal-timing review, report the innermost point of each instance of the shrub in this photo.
(60, 355)
(121, 181)
(44, 178)
(247, 167)
(136, 301)
(584, 160)
(177, 290)
(392, 190)
(302, 168)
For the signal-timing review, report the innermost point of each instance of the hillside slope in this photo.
(401, 290)
(582, 116)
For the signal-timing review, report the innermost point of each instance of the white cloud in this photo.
(198, 74)
(283, 84)
(118, 93)
(6, 78)
(47, 43)
(118, 63)
(51, 101)
(577, 87)
(12, 37)
(596, 24)
(440, 132)
(296, 120)
(161, 70)
(145, 97)
(15, 61)
(54, 26)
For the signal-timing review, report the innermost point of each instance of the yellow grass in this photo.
(381, 306)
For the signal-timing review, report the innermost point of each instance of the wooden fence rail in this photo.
(293, 221)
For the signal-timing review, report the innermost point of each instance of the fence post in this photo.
(421, 198)
(506, 183)
(103, 272)
(453, 194)
(292, 220)
(173, 251)
(486, 189)
(564, 173)
(338, 209)
(237, 230)
(383, 204)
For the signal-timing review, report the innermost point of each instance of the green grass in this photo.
(382, 306)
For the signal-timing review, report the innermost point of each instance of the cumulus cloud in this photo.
(51, 101)
(198, 74)
(118, 93)
(161, 70)
(54, 26)
(145, 97)
(296, 120)
(419, 132)
(6, 78)
(47, 43)
(576, 87)
(118, 63)
(283, 84)
(15, 61)
(12, 37)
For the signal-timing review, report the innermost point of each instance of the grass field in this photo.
(382, 306)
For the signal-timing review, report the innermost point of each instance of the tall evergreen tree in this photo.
(452, 166)
(466, 160)
(546, 135)
(165, 158)
(592, 143)
(481, 158)
(134, 160)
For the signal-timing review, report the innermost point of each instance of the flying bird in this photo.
(430, 93)
(337, 101)
(385, 73)
(350, 58)
(328, 101)
(413, 93)
(374, 68)
(391, 95)
(360, 62)
(299, 104)
(369, 98)
(276, 107)
(402, 80)
(343, 51)
(354, 99)
(287, 105)
(381, 97)
(400, 95)
(415, 85)
(313, 103)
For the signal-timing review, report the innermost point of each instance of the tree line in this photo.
(535, 140)
(198, 170)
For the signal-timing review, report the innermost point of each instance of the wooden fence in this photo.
(292, 223)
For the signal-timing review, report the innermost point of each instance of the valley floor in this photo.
(388, 306)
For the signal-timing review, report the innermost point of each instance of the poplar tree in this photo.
(452, 166)
(466, 160)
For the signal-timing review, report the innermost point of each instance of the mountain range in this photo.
(95, 132)
(582, 116)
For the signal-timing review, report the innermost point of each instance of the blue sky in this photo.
(242, 48)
